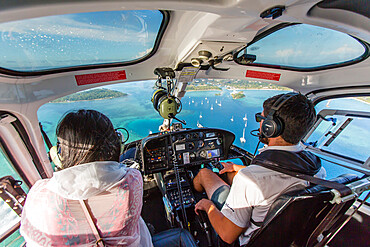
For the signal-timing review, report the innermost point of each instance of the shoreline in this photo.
(363, 101)
(217, 90)
(72, 101)
(220, 90)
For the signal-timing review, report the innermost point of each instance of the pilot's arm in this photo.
(226, 229)
(235, 216)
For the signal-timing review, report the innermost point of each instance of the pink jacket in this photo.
(52, 215)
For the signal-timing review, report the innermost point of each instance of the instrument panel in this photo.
(161, 151)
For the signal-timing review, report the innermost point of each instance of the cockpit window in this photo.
(82, 39)
(303, 47)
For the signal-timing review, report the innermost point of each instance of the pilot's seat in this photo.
(303, 218)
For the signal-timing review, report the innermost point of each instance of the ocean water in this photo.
(135, 112)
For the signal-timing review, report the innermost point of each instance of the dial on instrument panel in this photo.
(218, 141)
(203, 154)
(192, 156)
(200, 144)
(191, 145)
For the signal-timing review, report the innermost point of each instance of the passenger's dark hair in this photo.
(87, 136)
(297, 115)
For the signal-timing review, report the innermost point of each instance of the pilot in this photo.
(237, 211)
(89, 150)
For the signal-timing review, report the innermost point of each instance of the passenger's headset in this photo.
(55, 151)
(167, 105)
(272, 126)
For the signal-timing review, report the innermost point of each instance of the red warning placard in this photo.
(100, 77)
(263, 75)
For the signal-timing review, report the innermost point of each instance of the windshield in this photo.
(224, 104)
(81, 39)
(205, 101)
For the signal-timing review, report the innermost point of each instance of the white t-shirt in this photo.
(253, 191)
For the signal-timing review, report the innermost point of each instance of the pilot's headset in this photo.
(164, 103)
(272, 126)
(55, 151)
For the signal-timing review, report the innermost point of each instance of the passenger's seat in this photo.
(176, 237)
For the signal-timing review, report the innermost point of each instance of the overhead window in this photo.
(82, 39)
(303, 47)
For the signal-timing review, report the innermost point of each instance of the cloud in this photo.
(345, 49)
(288, 53)
(143, 53)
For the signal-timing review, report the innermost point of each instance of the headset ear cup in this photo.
(178, 105)
(55, 157)
(268, 128)
(156, 96)
(279, 127)
(271, 127)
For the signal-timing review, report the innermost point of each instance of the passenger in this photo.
(254, 188)
(89, 149)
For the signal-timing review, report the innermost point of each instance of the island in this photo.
(238, 95)
(364, 99)
(93, 94)
(218, 84)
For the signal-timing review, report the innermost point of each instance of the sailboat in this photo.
(200, 116)
(216, 101)
(232, 119)
(245, 117)
(201, 102)
(150, 132)
(219, 104)
(242, 139)
(199, 125)
(192, 101)
(211, 107)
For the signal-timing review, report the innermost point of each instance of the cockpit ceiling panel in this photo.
(361, 7)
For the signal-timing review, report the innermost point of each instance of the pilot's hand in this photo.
(228, 167)
(204, 205)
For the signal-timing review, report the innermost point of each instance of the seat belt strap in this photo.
(99, 240)
(341, 188)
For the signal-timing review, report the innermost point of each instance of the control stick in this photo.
(204, 223)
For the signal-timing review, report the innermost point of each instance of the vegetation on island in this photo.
(217, 94)
(93, 94)
(232, 84)
(238, 95)
(364, 99)
(202, 87)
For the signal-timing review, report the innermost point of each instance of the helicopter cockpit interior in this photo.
(184, 83)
